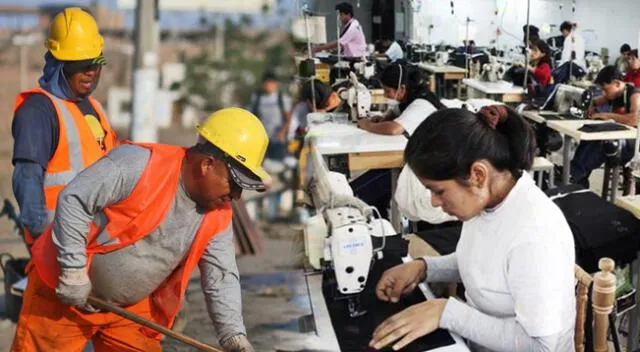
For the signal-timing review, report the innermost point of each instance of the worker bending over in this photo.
(624, 100)
(58, 128)
(131, 228)
(409, 102)
(516, 266)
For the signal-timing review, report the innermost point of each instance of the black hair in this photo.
(417, 87)
(322, 93)
(624, 48)
(383, 44)
(269, 76)
(446, 144)
(633, 53)
(544, 48)
(532, 30)
(566, 26)
(346, 8)
(607, 75)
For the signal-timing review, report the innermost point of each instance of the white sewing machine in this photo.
(358, 97)
(492, 71)
(595, 64)
(338, 239)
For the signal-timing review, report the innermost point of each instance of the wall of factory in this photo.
(606, 23)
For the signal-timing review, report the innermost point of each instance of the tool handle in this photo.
(101, 304)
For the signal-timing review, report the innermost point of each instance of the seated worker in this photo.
(409, 99)
(624, 101)
(351, 42)
(633, 68)
(327, 100)
(517, 269)
(391, 49)
(621, 61)
(540, 68)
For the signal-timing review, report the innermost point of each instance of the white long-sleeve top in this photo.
(574, 42)
(516, 262)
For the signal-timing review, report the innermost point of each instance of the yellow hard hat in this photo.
(74, 36)
(239, 134)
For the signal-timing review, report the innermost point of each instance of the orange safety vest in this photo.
(134, 218)
(77, 146)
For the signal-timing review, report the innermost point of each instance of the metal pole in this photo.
(313, 78)
(338, 39)
(145, 76)
(526, 49)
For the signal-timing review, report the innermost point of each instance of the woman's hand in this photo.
(400, 280)
(409, 325)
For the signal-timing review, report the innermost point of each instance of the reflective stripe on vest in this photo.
(75, 149)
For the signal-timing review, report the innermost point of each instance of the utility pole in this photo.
(145, 75)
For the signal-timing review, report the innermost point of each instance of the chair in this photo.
(602, 300)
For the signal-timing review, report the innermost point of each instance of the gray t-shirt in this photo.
(269, 111)
(132, 273)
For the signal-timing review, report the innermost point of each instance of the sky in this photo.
(168, 19)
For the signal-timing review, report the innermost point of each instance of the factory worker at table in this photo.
(409, 102)
(516, 251)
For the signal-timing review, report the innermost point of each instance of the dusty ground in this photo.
(273, 289)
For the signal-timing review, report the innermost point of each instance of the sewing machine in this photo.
(339, 238)
(442, 58)
(357, 97)
(492, 71)
(573, 100)
(595, 64)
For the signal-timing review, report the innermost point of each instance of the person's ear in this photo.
(478, 175)
(207, 165)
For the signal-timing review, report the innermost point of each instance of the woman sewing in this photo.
(516, 252)
(409, 102)
(540, 63)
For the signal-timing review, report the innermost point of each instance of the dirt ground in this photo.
(273, 289)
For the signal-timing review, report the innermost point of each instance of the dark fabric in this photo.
(443, 239)
(602, 127)
(27, 182)
(591, 154)
(600, 228)
(561, 74)
(354, 334)
(374, 188)
(35, 129)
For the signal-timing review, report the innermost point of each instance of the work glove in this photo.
(74, 286)
(237, 343)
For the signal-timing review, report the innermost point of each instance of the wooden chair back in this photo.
(602, 300)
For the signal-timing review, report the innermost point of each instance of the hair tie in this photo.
(493, 114)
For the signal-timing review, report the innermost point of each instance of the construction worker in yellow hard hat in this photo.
(58, 128)
(141, 219)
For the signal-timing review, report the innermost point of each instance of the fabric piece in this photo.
(354, 334)
(374, 188)
(394, 52)
(27, 182)
(47, 324)
(602, 127)
(412, 116)
(131, 273)
(352, 40)
(600, 228)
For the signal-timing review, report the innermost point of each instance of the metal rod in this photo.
(526, 47)
(101, 304)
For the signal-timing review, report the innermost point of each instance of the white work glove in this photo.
(74, 286)
(237, 343)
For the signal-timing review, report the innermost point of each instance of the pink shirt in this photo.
(352, 41)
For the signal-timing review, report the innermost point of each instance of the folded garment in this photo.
(603, 127)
